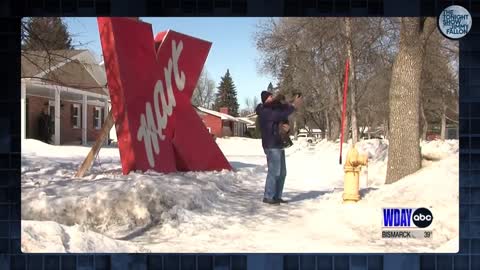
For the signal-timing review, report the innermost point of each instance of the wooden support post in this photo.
(87, 163)
(84, 111)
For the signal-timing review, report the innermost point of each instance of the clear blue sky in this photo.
(233, 46)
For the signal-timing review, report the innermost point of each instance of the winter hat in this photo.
(265, 95)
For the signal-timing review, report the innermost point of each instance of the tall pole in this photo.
(345, 87)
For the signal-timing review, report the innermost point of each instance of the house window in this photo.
(76, 123)
(209, 130)
(97, 117)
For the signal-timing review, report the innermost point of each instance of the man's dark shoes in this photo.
(270, 201)
(281, 201)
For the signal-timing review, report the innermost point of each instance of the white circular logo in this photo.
(421, 217)
(455, 22)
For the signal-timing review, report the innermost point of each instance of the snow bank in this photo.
(437, 150)
(120, 207)
(38, 236)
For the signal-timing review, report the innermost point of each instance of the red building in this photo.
(222, 124)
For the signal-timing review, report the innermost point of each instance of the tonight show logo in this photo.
(455, 22)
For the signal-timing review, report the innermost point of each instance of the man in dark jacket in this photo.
(270, 117)
(44, 126)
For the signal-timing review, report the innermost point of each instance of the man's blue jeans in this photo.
(277, 171)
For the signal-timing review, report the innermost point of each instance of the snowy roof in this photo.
(246, 120)
(313, 130)
(36, 63)
(223, 116)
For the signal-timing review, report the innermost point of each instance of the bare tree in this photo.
(251, 105)
(204, 93)
(308, 55)
(439, 85)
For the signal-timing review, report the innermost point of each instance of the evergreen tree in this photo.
(270, 88)
(227, 95)
(45, 33)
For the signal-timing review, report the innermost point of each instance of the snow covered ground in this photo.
(222, 211)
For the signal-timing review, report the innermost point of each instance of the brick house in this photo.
(71, 87)
(221, 124)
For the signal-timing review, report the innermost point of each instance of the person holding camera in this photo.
(284, 129)
(272, 118)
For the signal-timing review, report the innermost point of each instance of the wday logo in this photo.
(407, 217)
(455, 22)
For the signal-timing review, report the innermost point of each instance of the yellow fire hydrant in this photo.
(352, 168)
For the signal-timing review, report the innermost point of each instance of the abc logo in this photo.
(422, 217)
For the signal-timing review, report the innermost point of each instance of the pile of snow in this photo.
(121, 206)
(437, 149)
(202, 211)
(38, 236)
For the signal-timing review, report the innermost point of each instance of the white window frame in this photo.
(98, 124)
(209, 130)
(78, 122)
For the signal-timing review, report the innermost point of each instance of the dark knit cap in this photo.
(265, 95)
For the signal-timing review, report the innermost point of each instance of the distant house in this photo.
(250, 123)
(221, 124)
(69, 86)
(252, 118)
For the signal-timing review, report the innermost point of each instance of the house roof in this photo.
(246, 120)
(34, 63)
(73, 68)
(222, 116)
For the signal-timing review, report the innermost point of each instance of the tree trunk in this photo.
(425, 122)
(326, 132)
(386, 129)
(335, 129)
(444, 120)
(368, 126)
(346, 128)
(353, 126)
(338, 120)
(404, 150)
(351, 84)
